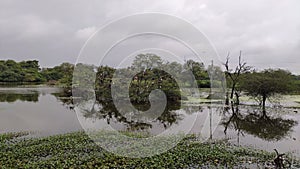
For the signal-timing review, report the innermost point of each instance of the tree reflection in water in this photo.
(257, 123)
(243, 119)
(107, 110)
(12, 97)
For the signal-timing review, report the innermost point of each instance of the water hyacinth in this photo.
(77, 150)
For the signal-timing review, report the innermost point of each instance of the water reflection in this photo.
(13, 97)
(257, 123)
(118, 119)
(125, 118)
(35, 109)
(242, 119)
(49, 110)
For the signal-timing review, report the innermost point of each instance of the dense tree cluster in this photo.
(61, 74)
(25, 71)
(147, 73)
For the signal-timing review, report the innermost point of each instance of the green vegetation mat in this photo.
(76, 150)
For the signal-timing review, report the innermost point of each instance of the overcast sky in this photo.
(268, 32)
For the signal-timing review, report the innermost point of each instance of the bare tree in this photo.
(234, 76)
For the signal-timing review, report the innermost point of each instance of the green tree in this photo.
(151, 77)
(295, 88)
(67, 77)
(25, 71)
(266, 84)
(103, 82)
(198, 71)
(146, 61)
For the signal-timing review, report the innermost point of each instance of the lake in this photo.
(35, 109)
(45, 111)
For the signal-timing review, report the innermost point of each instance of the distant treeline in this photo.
(149, 78)
(25, 71)
(30, 72)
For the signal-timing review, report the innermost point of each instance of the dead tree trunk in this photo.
(234, 77)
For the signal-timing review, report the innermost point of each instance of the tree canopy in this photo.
(25, 71)
(265, 84)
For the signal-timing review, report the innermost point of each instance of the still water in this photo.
(35, 109)
(48, 110)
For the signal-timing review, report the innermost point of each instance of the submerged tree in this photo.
(266, 84)
(234, 77)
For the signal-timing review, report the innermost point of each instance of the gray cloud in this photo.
(268, 32)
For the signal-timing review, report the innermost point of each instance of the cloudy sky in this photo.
(268, 32)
